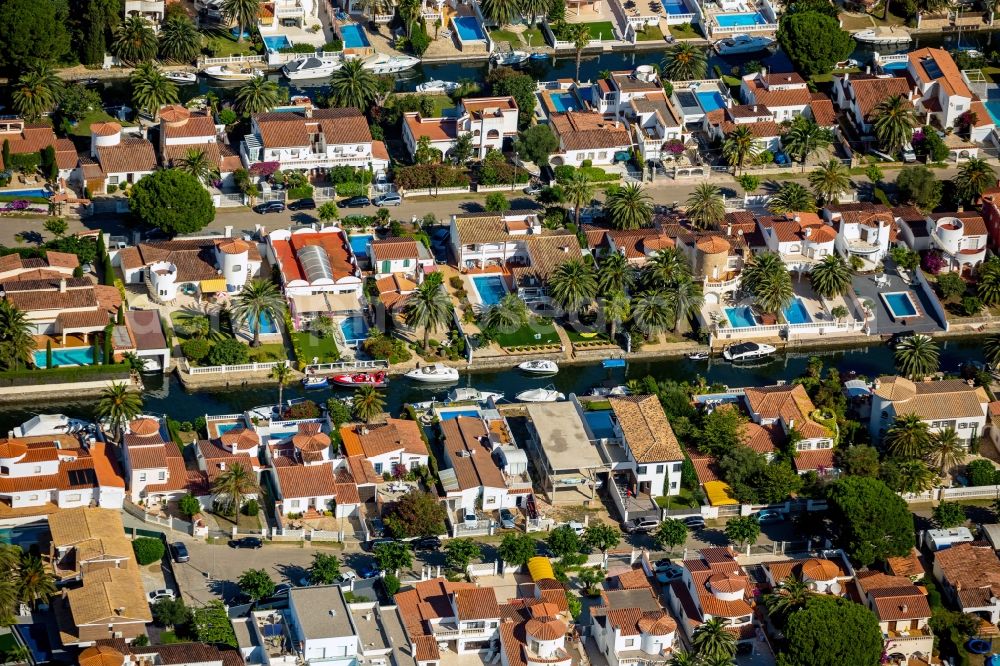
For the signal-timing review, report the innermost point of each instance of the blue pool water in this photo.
(741, 317)
(226, 427)
(899, 305)
(600, 423)
(354, 328)
(71, 356)
(276, 42)
(359, 244)
(710, 101)
(468, 29)
(27, 193)
(266, 324)
(491, 289)
(738, 20)
(894, 66)
(992, 103)
(24, 535)
(454, 414)
(354, 36)
(675, 7)
(565, 101)
(796, 312)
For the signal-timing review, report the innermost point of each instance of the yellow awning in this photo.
(540, 568)
(213, 286)
(719, 493)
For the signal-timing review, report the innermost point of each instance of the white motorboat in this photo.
(547, 394)
(743, 44)
(311, 67)
(510, 57)
(698, 356)
(382, 63)
(883, 37)
(438, 373)
(744, 351)
(438, 86)
(608, 391)
(539, 367)
(181, 77)
(229, 73)
(470, 394)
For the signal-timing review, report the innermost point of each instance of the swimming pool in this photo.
(565, 101)
(491, 289)
(447, 415)
(600, 423)
(741, 317)
(710, 101)
(354, 36)
(894, 66)
(266, 324)
(468, 29)
(354, 328)
(900, 304)
(68, 356)
(796, 312)
(740, 20)
(675, 7)
(359, 244)
(45, 194)
(277, 42)
(24, 535)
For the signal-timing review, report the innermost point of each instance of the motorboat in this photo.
(382, 63)
(181, 77)
(698, 356)
(229, 73)
(376, 379)
(539, 367)
(608, 391)
(311, 67)
(470, 394)
(743, 44)
(743, 351)
(883, 37)
(437, 373)
(547, 394)
(151, 365)
(315, 382)
(438, 86)
(510, 57)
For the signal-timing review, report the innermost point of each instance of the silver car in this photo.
(389, 199)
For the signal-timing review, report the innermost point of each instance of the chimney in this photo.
(62, 285)
(229, 231)
(847, 77)
(903, 608)
(309, 111)
(755, 108)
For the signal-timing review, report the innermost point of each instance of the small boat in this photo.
(311, 67)
(382, 63)
(315, 382)
(743, 351)
(438, 86)
(883, 37)
(510, 57)
(608, 391)
(698, 356)
(613, 363)
(539, 367)
(469, 394)
(376, 379)
(743, 44)
(437, 373)
(227, 73)
(540, 56)
(181, 77)
(547, 394)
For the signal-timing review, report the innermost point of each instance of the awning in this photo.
(719, 493)
(212, 286)
(540, 568)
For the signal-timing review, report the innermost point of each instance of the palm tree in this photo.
(34, 582)
(991, 349)
(652, 313)
(579, 34)
(501, 12)
(615, 274)
(428, 307)
(767, 279)
(687, 300)
(667, 268)
(134, 41)
(409, 11)
(973, 178)
(37, 91)
(118, 406)
(259, 299)
(988, 287)
(684, 62)
(256, 96)
(244, 12)
(791, 197)
(917, 356)
(508, 315)
(915, 476)
(617, 308)
(573, 285)
(740, 148)
(893, 123)
(180, 40)
(151, 89)
(712, 639)
(372, 8)
(684, 659)
(352, 86)
(706, 208)
(790, 595)
(628, 207)
(908, 437)
(283, 375)
(830, 180)
(17, 342)
(232, 487)
(534, 9)
(579, 191)
(196, 163)
(367, 404)
(831, 276)
(946, 451)
(805, 138)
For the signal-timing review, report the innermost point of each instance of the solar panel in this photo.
(82, 477)
(931, 66)
(315, 263)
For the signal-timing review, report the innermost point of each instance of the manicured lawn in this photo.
(684, 499)
(267, 352)
(442, 103)
(601, 30)
(534, 333)
(220, 45)
(506, 36)
(82, 128)
(533, 37)
(684, 31)
(312, 346)
(651, 33)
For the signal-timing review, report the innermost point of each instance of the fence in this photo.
(347, 366)
(435, 191)
(484, 569)
(226, 369)
(169, 522)
(229, 200)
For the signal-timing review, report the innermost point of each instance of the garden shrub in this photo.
(351, 190)
(196, 349)
(301, 192)
(148, 550)
(251, 508)
(228, 352)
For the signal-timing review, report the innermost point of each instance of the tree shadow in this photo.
(293, 573)
(472, 207)
(304, 218)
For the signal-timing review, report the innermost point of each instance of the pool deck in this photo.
(883, 323)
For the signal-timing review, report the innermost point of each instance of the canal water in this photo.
(165, 395)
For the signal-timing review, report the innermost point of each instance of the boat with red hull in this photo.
(376, 379)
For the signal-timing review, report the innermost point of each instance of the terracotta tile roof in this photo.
(195, 125)
(132, 155)
(546, 253)
(973, 223)
(647, 431)
(762, 439)
(107, 128)
(425, 601)
(146, 329)
(394, 248)
(362, 470)
(584, 131)
(147, 457)
(816, 459)
(776, 99)
(463, 440)
(177, 476)
(33, 138)
(477, 604)
(375, 440)
(427, 648)
(635, 579)
(218, 459)
(298, 481)
(109, 596)
(787, 403)
(488, 105)
(195, 259)
(474, 228)
(983, 117)
(869, 93)
(240, 439)
(822, 110)
(945, 72)
(83, 320)
(784, 79)
(291, 130)
(761, 130)
(705, 466)
(900, 603)
(945, 399)
(967, 567)
(910, 565)
(29, 301)
(334, 244)
(379, 151)
(436, 129)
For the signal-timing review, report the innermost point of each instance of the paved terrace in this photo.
(883, 323)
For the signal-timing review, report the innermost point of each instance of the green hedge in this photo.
(301, 192)
(351, 189)
(148, 550)
(81, 373)
(594, 174)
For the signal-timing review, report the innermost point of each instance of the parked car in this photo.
(640, 525)
(270, 207)
(506, 519)
(345, 578)
(534, 189)
(671, 573)
(388, 199)
(767, 516)
(368, 570)
(305, 581)
(355, 202)
(575, 526)
(375, 543)
(179, 552)
(281, 590)
(246, 542)
(694, 522)
(302, 204)
(470, 518)
(156, 595)
(426, 543)
(662, 564)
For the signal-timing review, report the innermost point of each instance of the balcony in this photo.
(905, 635)
(862, 247)
(144, 6)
